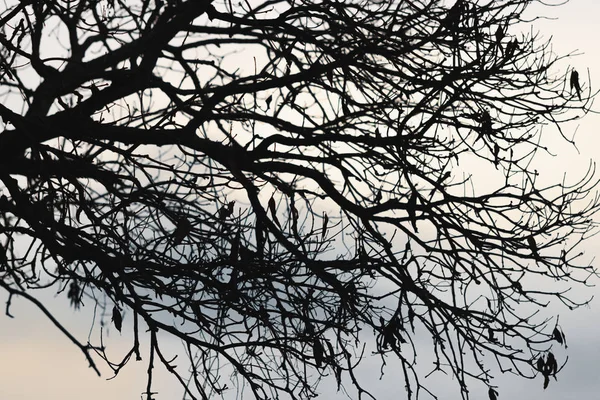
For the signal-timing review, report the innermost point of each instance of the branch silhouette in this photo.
(269, 182)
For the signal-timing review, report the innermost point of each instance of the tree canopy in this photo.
(290, 187)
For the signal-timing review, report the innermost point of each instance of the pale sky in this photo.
(38, 362)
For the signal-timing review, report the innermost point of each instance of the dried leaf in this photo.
(499, 35)
(574, 80)
(540, 364)
(223, 213)
(532, 246)
(73, 294)
(557, 335)
(511, 49)
(117, 318)
(260, 239)
(496, 153)
(182, 229)
(330, 349)
(551, 365)
(273, 210)
(324, 228)
(389, 339)
(378, 196)
(411, 318)
(400, 338)
(493, 394)
(390, 334)
(411, 208)
(318, 352)
(486, 125)
(517, 285)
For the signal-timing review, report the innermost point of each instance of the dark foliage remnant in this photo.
(289, 187)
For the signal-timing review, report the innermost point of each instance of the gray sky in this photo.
(37, 361)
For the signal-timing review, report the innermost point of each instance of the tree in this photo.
(271, 182)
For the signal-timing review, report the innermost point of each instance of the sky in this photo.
(37, 361)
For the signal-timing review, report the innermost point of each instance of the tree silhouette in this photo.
(290, 187)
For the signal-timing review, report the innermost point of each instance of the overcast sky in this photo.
(38, 362)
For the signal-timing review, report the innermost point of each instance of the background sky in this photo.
(38, 362)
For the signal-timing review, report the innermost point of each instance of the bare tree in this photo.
(285, 186)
